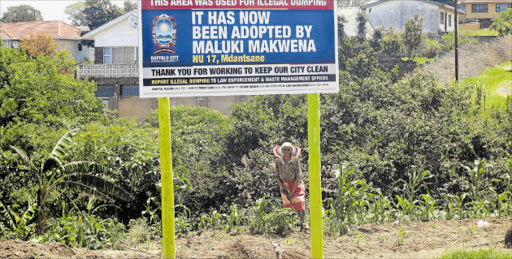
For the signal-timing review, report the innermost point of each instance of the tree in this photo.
(39, 44)
(54, 174)
(361, 26)
(341, 27)
(129, 6)
(99, 12)
(75, 13)
(44, 90)
(503, 24)
(412, 35)
(94, 13)
(21, 13)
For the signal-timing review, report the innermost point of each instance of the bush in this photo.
(392, 42)
(448, 40)
(432, 48)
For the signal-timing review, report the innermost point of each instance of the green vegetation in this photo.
(503, 24)
(419, 60)
(477, 254)
(393, 148)
(465, 37)
(492, 87)
(482, 32)
(21, 13)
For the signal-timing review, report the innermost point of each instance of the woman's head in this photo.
(287, 149)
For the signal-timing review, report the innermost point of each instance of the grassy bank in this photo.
(495, 84)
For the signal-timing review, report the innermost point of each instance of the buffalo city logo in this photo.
(164, 34)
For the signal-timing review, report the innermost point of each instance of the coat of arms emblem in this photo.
(164, 34)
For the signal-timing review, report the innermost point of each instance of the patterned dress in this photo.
(290, 174)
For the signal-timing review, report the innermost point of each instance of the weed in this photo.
(290, 240)
(360, 237)
(400, 237)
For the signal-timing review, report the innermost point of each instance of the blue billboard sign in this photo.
(237, 47)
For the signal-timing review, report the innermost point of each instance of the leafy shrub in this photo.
(270, 219)
(17, 222)
(448, 40)
(392, 42)
(432, 48)
(503, 23)
(412, 35)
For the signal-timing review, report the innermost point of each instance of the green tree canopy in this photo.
(412, 35)
(94, 13)
(75, 13)
(129, 6)
(21, 13)
(44, 90)
(503, 24)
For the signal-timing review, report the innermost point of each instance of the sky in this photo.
(50, 9)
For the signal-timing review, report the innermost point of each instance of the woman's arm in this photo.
(278, 178)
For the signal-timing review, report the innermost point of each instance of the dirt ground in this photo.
(420, 240)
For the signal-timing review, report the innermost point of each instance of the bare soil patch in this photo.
(421, 240)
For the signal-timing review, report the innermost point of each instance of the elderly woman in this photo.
(289, 178)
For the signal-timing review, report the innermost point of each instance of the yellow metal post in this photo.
(164, 119)
(315, 183)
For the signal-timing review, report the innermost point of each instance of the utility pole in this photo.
(456, 24)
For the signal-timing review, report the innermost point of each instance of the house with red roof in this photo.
(116, 72)
(68, 37)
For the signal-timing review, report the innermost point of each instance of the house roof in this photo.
(424, 1)
(56, 29)
(484, 1)
(90, 35)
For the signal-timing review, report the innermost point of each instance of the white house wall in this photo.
(397, 13)
(119, 35)
(72, 47)
(449, 24)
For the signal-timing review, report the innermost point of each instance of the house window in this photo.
(449, 20)
(502, 7)
(479, 8)
(130, 90)
(107, 55)
(120, 55)
(462, 8)
(442, 18)
(105, 91)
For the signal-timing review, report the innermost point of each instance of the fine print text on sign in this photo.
(237, 47)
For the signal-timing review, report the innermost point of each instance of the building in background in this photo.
(481, 12)
(350, 27)
(66, 36)
(437, 17)
(116, 72)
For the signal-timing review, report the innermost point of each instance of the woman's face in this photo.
(287, 151)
